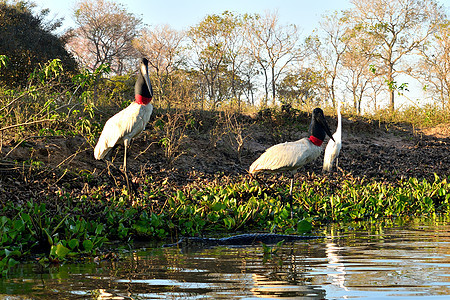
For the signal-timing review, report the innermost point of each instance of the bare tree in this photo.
(274, 47)
(249, 73)
(104, 35)
(237, 56)
(328, 51)
(357, 61)
(375, 88)
(434, 66)
(399, 27)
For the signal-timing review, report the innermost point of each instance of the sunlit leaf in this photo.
(61, 251)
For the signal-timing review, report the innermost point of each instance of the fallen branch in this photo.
(27, 123)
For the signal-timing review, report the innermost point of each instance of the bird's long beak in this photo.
(144, 71)
(325, 126)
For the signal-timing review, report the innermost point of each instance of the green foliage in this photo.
(4, 60)
(69, 231)
(298, 89)
(48, 107)
(33, 228)
(282, 122)
(28, 41)
(87, 78)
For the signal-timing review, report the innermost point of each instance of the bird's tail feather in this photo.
(254, 167)
(101, 149)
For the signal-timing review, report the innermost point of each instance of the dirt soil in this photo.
(369, 149)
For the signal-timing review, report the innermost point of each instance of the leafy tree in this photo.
(299, 87)
(209, 44)
(27, 40)
(220, 53)
(237, 55)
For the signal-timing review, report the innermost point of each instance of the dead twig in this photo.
(27, 123)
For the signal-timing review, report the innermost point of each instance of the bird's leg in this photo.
(337, 167)
(292, 184)
(290, 196)
(125, 144)
(125, 168)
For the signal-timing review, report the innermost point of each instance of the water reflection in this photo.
(336, 265)
(102, 294)
(265, 287)
(376, 260)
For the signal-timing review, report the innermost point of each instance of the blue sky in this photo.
(181, 14)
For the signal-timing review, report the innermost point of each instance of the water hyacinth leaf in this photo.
(25, 217)
(99, 229)
(7, 252)
(218, 206)
(61, 251)
(142, 227)
(12, 262)
(304, 226)
(3, 220)
(15, 253)
(88, 245)
(155, 220)
(73, 243)
(18, 225)
(285, 213)
(162, 233)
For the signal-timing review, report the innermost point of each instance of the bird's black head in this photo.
(143, 88)
(319, 126)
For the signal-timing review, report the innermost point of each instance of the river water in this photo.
(400, 259)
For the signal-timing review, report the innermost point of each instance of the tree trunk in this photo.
(391, 100)
(333, 96)
(391, 85)
(273, 86)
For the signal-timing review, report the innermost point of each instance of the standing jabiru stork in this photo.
(290, 156)
(129, 122)
(334, 146)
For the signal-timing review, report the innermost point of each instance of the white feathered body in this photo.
(331, 153)
(333, 147)
(122, 127)
(287, 156)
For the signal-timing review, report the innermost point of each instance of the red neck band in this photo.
(315, 141)
(139, 99)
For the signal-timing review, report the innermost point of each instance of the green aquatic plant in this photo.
(72, 227)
